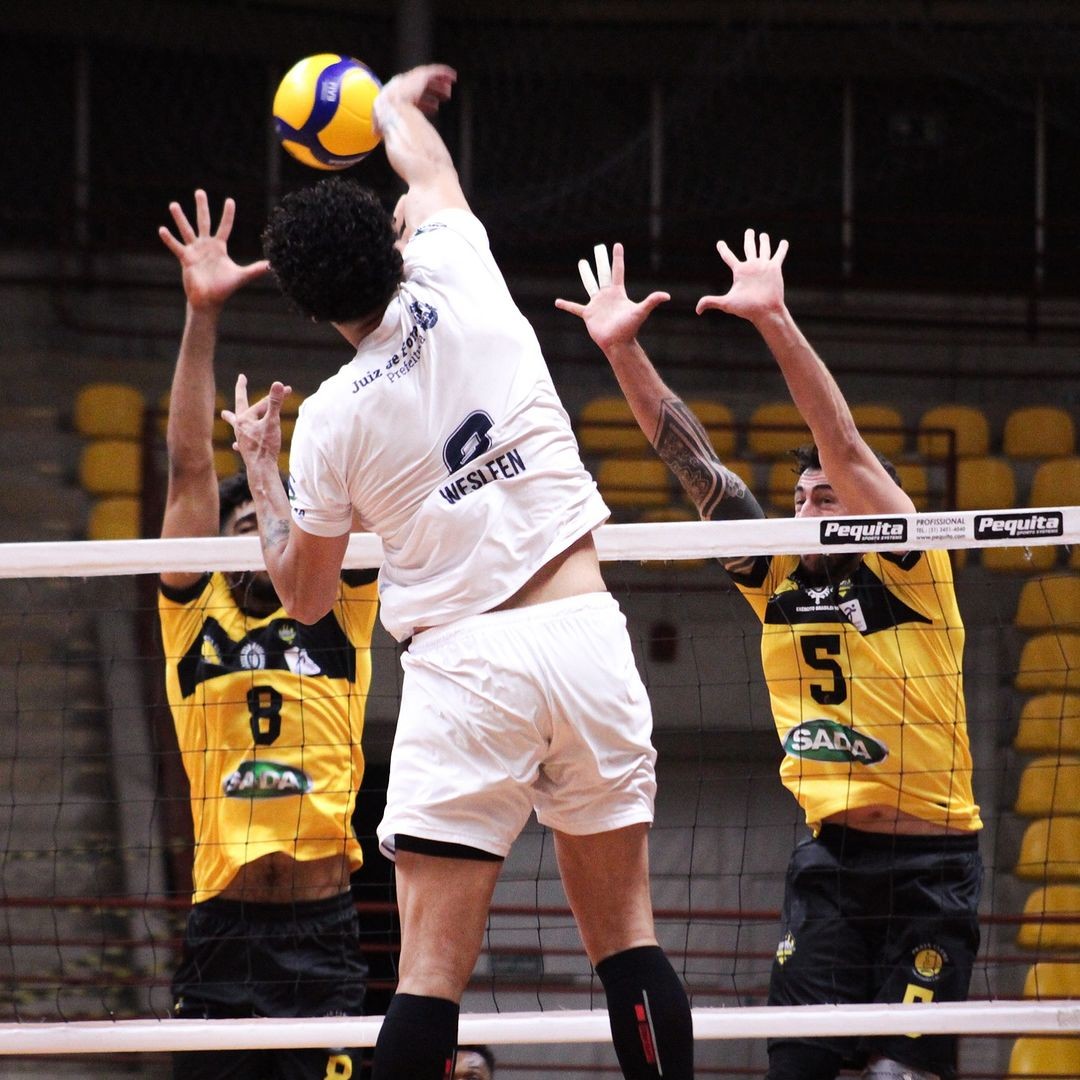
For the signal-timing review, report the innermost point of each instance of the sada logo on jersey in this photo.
(876, 531)
(265, 780)
(827, 740)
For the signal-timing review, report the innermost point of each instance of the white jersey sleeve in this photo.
(323, 496)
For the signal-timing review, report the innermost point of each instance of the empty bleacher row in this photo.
(946, 462)
(1047, 740)
(119, 466)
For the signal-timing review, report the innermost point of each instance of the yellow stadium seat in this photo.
(1048, 979)
(1049, 602)
(1050, 850)
(1044, 1057)
(1049, 723)
(882, 427)
(1049, 661)
(718, 421)
(775, 429)
(1019, 560)
(226, 462)
(984, 483)
(1049, 785)
(634, 482)
(115, 517)
(109, 411)
(1056, 483)
(915, 480)
(111, 467)
(290, 404)
(223, 434)
(780, 486)
(1052, 918)
(606, 425)
(970, 432)
(1038, 431)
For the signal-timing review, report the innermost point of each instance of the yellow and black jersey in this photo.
(268, 715)
(865, 679)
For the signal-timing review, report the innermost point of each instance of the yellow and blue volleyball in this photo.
(324, 111)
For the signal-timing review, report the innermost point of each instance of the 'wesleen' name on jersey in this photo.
(502, 467)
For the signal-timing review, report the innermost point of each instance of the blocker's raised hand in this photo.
(757, 281)
(210, 275)
(610, 316)
(257, 427)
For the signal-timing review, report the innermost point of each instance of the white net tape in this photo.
(660, 540)
(975, 1018)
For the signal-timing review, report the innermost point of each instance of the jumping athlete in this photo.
(862, 655)
(445, 436)
(268, 714)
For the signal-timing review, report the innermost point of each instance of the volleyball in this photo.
(324, 111)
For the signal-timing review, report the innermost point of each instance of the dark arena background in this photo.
(923, 160)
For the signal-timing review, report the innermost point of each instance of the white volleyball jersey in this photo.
(447, 438)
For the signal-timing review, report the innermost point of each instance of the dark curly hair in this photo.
(234, 491)
(331, 248)
(807, 457)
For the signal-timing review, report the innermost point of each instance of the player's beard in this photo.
(254, 591)
(819, 569)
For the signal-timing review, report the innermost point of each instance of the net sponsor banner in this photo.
(1016, 527)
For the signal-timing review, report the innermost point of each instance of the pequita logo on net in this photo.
(1019, 526)
(875, 531)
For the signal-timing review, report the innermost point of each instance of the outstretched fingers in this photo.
(710, 303)
(274, 398)
(228, 215)
(588, 278)
(170, 241)
(240, 394)
(183, 226)
(571, 306)
(253, 270)
(727, 254)
(202, 212)
(603, 266)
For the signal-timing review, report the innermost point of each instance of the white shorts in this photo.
(535, 708)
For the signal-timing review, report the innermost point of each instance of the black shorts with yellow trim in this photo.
(880, 918)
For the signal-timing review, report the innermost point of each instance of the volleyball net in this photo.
(96, 823)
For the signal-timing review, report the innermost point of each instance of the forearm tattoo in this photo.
(276, 533)
(684, 445)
